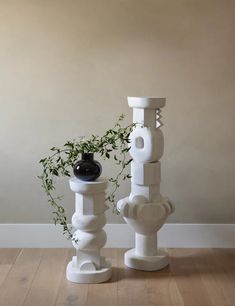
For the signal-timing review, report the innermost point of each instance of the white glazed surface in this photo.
(146, 102)
(145, 210)
(88, 220)
(153, 144)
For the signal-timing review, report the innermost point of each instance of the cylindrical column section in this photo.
(146, 245)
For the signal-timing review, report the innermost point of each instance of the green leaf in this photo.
(55, 172)
(115, 140)
(42, 160)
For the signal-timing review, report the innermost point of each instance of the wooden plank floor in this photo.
(195, 277)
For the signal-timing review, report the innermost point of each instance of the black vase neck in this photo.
(87, 156)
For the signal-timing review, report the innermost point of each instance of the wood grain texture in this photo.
(162, 289)
(106, 293)
(132, 288)
(18, 281)
(46, 282)
(71, 294)
(211, 276)
(195, 277)
(7, 259)
(188, 279)
(224, 265)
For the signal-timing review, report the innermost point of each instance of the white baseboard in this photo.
(121, 236)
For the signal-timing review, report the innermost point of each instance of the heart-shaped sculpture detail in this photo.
(149, 217)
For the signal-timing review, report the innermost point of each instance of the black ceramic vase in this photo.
(87, 169)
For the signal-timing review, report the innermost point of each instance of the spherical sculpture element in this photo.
(89, 240)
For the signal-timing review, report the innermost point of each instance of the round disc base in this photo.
(88, 277)
(146, 263)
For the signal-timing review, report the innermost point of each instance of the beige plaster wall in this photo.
(66, 68)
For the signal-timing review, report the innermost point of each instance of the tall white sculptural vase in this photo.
(89, 219)
(146, 210)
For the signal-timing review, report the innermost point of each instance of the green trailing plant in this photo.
(112, 145)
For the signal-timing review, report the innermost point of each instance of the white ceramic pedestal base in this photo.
(88, 277)
(146, 263)
(146, 210)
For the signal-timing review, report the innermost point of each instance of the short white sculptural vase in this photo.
(146, 210)
(88, 266)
